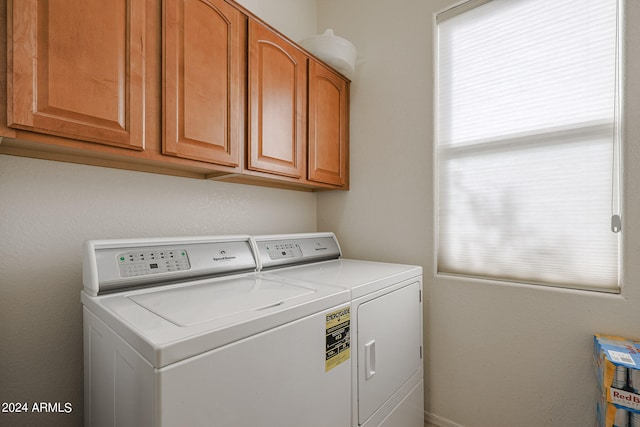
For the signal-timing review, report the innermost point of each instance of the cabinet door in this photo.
(277, 98)
(328, 126)
(204, 57)
(75, 69)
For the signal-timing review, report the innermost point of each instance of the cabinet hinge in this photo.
(419, 295)
(420, 352)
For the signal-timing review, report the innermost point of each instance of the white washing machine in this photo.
(185, 332)
(386, 322)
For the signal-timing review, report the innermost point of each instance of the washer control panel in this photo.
(123, 264)
(159, 260)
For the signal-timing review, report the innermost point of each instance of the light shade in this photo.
(336, 51)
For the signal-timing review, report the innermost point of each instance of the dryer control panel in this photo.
(293, 249)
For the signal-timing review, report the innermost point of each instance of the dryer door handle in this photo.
(370, 359)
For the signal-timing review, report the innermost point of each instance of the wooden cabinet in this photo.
(86, 84)
(75, 69)
(277, 103)
(203, 78)
(298, 112)
(197, 88)
(328, 126)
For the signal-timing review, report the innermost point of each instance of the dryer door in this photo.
(389, 340)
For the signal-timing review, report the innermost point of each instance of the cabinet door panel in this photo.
(76, 69)
(277, 96)
(328, 126)
(203, 80)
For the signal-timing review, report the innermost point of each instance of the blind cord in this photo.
(616, 220)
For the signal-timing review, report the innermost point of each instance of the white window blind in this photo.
(526, 136)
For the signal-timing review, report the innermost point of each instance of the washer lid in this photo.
(216, 300)
(175, 322)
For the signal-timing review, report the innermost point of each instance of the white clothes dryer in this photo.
(386, 322)
(185, 332)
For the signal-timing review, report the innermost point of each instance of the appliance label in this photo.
(338, 338)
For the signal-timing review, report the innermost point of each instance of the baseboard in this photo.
(439, 421)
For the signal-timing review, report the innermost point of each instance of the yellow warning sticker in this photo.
(338, 338)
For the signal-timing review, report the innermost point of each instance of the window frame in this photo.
(541, 136)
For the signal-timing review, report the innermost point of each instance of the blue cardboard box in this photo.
(617, 362)
(611, 415)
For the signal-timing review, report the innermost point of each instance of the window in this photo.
(527, 140)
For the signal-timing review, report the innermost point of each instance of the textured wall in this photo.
(48, 209)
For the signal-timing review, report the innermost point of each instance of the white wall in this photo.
(47, 209)
(295, 19)
(497, 354)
